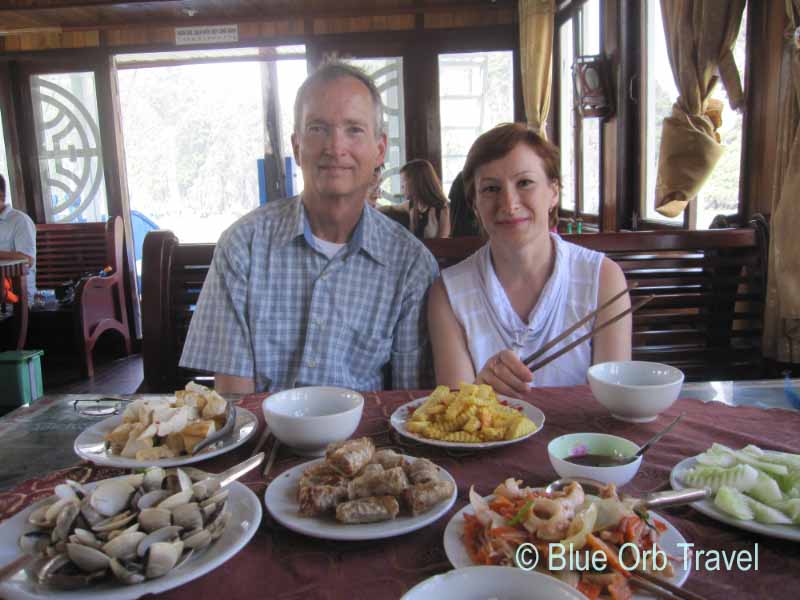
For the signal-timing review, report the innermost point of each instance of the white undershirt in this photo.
(329, 249)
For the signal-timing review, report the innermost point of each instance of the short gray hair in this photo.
(331, 71)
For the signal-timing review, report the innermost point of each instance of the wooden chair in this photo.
(710, 288)
(172, 277)
(706, 318)
(65, 252)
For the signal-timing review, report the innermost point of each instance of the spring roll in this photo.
(421, 471)
(372, 469)
(388, 459)
(368, 510)
(315, 500)
(350, 457)
(321, 474)
(423, 496)
(391, 482)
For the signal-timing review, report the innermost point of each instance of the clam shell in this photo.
(176, 499)
(197, 540)
(205, 488)
(111, 496)
(118, 521)
(124, 574)
(188, 516)
(152, 498)
(153, 478)
(84, 537)
(87, 559)
(165, 534)
(152, 519)
(162, 557)
(34, 542)
(123, 546)
(66, 517)
(39, 516)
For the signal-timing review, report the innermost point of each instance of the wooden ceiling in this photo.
(18, 16)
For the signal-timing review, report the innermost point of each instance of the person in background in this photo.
(463, 222)
(17, 238)
(526, 285)
(430, 215)
(374, 192)
(318, 289)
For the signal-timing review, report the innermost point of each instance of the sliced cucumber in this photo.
(791, 508)
(780, 458)
(766, 490)
(749, 459)
(716, 459)
(733, 502)
(740, 477)
(766, 514)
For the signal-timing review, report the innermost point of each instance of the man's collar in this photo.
(366, 235)
(294, 219)
(5, 212)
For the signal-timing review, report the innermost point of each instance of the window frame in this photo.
(574, 12)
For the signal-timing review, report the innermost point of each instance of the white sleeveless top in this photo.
(481, 306)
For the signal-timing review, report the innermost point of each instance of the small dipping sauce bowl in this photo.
(617, 452)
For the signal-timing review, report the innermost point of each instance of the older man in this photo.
(17, 238)
(318, 289)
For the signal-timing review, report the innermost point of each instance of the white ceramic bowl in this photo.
(593, 443)
(307, 419)
(635, 390)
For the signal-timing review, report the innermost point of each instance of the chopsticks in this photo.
(262, 440)
(636, 306)
(273, 453)
(662, 588)
(588, 317)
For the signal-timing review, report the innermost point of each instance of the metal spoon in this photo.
(230, 421)
(228, 475)
(652, 500)
(646, 446)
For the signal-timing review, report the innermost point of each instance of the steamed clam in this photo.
(130, 528)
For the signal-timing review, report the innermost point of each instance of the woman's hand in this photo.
(506, 373)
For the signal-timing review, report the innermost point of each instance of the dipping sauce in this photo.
(599, 460)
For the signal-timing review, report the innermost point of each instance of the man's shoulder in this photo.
(13, 215)
(266, 219)
(398, 241)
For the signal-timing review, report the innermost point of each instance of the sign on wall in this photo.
(185, 36)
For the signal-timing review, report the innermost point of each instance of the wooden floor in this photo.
(61, 375)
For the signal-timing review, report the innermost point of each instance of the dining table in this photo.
(16, 270)
(36, 449)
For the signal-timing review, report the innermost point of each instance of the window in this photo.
(194, 132)
(68, 147)
(580, 139)
(476, 92)
(720, 194)
(4, 162)
(387, 73)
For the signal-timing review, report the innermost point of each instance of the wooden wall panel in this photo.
(362, 24)
(469, 18)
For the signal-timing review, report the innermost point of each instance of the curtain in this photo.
(700, 35)
(536, 27)
(782, 312)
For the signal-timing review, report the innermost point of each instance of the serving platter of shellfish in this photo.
(127, 536)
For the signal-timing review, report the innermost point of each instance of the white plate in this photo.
(245, 519)
(480, 583)
(400, 416)
(669, 540)
(707, 507)
(90, 444)
(281, 501)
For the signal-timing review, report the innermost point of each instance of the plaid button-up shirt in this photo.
(275, 309)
